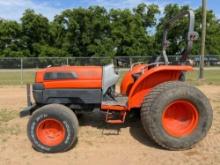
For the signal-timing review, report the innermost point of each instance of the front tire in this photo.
(176, 115)
(53, 128)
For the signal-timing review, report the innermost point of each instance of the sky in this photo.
(13, 9)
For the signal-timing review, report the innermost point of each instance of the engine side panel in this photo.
(68, 96)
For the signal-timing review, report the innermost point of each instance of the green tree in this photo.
(178, 34)
(129, 30)
(95, 31)
(35, 30)
(83, 32)
(10, 39)
(212, 33)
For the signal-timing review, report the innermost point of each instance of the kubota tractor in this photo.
(173, 113)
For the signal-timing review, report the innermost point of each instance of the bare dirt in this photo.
(100, 143)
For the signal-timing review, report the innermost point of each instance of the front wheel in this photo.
(53, 128)
(176, 115)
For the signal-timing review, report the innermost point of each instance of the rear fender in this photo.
(150, 79)
(128, 81)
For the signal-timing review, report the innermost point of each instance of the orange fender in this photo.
(150, 79)
(128, 81)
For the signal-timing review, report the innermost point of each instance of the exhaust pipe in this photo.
(28, 89)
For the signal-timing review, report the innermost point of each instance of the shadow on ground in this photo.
(96, 119)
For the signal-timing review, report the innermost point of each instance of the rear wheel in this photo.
(53, 128)
(176, 115)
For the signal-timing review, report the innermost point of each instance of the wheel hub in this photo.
(180, 118)
(50, 132)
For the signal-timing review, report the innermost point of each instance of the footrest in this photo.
(110, 117)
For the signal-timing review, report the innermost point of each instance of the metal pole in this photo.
(21, 70)
(67, 61)
(201, 69)
(131, 61)
(28, 88)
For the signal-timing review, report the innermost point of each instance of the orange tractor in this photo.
(173, 113)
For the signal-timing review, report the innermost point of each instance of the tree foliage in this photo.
(95, 31)
(176, 37)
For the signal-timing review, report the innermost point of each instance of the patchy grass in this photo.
(9, 130)
(5, 117)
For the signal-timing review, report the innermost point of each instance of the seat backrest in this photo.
(109, 77)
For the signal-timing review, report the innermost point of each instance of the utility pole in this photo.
(204, 8)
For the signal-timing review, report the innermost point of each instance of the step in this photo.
(119, 104)
(110, 117)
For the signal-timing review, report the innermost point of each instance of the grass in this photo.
(5, 129)
(6, 115)
(211, 77)
(13, 77)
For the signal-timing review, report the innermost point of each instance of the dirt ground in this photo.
(100, 143)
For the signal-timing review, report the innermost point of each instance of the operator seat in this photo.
(109, 77)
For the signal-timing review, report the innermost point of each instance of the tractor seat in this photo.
(110, 77)
(135, 76)
(137, 73)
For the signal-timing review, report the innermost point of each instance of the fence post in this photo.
(21, 70)
(67, 61)
(131, 61)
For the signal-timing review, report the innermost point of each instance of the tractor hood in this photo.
(70, 77)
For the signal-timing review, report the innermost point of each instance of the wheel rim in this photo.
(50, 132)
(180, 118)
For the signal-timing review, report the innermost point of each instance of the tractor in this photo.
(174, 114)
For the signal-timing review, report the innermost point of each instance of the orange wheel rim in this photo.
(50, 132)
(180, 118)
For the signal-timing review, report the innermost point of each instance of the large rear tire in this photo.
(53, 128)
(176, 115)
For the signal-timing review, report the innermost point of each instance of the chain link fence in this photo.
(15, 71)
